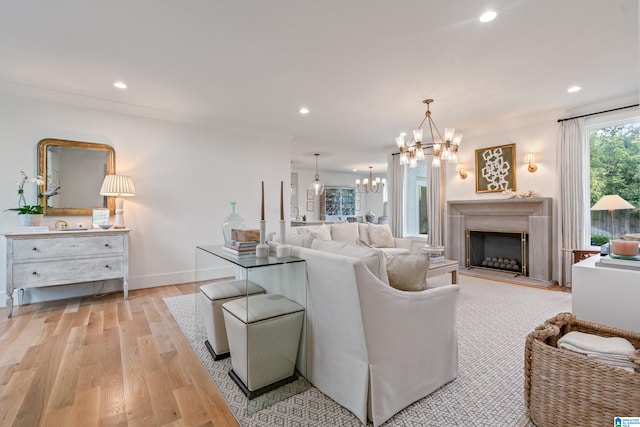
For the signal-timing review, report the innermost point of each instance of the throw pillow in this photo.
(363, 232)
(347, 232)
(408, 272)
(380, 236)
(322, 232)
(373, 259)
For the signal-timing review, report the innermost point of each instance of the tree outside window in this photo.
(615, 169)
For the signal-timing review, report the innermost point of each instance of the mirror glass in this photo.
(73, 172)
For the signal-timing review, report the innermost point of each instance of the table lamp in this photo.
(611, 203)
(118, 186)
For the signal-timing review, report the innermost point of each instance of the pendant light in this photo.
(317, 186)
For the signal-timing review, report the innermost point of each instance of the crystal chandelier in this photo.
(317, 186)
(369, 185)
(443, 148)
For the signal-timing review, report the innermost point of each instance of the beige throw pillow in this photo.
(408, 272)
(380, 236)
(373, 259)
(363, 231)
(347, 232)
(322, 232)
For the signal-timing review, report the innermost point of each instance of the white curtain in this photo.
(436, 203)
(396, 195)
(573, 170)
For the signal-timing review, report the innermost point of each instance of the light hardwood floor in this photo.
(104, 361)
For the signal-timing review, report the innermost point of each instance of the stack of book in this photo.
(435, 252)
(618, 261)
(240, 249)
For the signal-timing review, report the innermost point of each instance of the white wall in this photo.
(185, 176)
(336, 179)
(536, 135)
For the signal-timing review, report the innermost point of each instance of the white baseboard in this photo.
(52, 293)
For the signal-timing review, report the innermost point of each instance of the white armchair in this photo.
(372, 348)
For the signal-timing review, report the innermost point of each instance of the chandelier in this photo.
(443, 148)
(370, 185)
(317, 186)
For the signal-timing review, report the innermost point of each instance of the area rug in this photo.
(493, 321)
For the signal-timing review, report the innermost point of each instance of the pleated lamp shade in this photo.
(118, 186)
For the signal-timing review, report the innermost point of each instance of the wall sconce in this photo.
(529, 158)
(460, 169)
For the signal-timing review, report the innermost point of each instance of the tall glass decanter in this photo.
(232, 221)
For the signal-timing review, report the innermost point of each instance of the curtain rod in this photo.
(599, 112)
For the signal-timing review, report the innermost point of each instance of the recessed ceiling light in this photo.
(573, 89)
(488, 16)
(120, 85)
(403, 134)
(304, 111)
(355, 170)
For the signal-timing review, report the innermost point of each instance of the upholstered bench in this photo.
(264, 334)
(212, 296)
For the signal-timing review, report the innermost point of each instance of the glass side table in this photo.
(267, 342)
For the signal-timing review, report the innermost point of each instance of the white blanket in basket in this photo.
(614, 351)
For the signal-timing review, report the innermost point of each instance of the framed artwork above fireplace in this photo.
(495, 169)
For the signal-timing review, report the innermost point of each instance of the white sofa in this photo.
(372, 348)
(361, 234)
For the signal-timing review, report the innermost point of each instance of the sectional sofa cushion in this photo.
(408, 272)
(373, 259)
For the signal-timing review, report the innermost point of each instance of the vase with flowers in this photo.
(30, 215)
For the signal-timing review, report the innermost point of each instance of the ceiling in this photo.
(362, 67)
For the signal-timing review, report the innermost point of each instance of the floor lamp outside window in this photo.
(118, 186)
(611, 203)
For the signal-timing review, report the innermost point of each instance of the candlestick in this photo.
(262, 204)
(262, 250)
(283, 230)
(281, 200)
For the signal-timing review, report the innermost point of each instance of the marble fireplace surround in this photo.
(533, 216)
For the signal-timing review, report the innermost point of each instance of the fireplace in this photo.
(531, 218)
(502, 251)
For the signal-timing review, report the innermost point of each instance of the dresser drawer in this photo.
(46, 273)
(26, 249)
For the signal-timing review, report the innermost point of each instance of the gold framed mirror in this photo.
(73, 172)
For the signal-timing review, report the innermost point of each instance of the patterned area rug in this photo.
(493, 321)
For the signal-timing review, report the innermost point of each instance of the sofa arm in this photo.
(412, 245)
(403, 243)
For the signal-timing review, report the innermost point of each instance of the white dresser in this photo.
(64, 257)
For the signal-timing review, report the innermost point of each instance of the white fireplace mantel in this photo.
(531, 215)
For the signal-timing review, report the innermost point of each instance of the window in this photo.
(615, 169)
(416, 221)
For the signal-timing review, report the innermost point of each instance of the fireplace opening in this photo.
(504, 251)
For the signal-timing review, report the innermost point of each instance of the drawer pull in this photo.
(35, 273)
(106, 245)
(35, 249)
(106, 266)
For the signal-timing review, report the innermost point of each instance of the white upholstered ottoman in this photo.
(263, 341)
(212, 296)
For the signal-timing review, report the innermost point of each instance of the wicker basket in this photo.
(564, 388)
